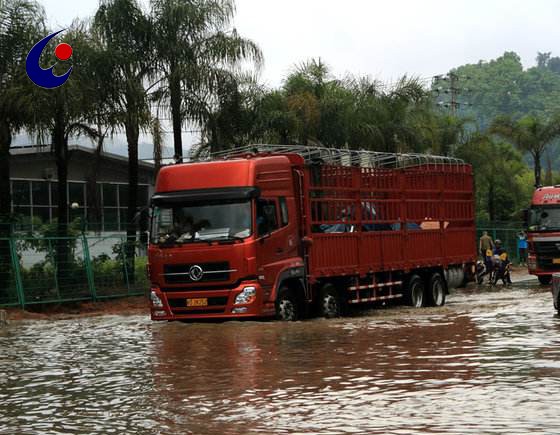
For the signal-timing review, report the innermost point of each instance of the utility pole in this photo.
(450, 84)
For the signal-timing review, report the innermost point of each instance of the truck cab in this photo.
(224, 236)
(543, 225)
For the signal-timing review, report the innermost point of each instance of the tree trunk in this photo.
(175, 102)
(5, 196)
(93, 199)
(132, 132)
(491, 201)
(538, 171)
(5, 208)
(60, 143)
(548, 175)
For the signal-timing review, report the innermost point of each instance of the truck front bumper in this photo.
(534, 269)
(210, 304)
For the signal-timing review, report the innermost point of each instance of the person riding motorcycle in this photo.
(501, 265)
(485, 267)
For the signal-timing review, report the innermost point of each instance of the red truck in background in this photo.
(282, 231)
(543, 235)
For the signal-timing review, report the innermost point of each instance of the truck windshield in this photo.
(199, 222)
(544, 219)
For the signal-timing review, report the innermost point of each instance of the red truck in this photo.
(286, 231)
(543, 224)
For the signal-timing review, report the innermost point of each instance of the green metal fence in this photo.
(41, 270)
(507, 232)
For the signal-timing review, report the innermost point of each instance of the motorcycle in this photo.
(501, 269)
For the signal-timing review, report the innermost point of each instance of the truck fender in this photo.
(292, 274)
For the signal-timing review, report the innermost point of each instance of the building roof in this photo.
(46, 149)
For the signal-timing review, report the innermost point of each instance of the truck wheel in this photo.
(545, 279)
(287, 307)
(414, 292)
(331, 302)
(436, 291)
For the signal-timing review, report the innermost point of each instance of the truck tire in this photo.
(287, 307)
(414, 292)
(545, 279)
(436, 291)
(331, 304)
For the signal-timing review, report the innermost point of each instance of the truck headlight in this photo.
(247, 296)
(156, 301)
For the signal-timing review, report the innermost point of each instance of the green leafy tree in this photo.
(62, 113)
(530, 135)
(125, 33)
(196, 51)
(101, 114)
(21, 26)
(494, 88)
(499, 177)
(21, 23)
(503, 87)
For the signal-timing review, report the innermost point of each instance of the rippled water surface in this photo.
(487, 363)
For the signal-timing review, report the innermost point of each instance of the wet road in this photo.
(487, 363)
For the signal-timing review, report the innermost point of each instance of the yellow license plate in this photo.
(198, 302)
(556, 261)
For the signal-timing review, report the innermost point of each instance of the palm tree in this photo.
(497, 165)
(60, 114)
(125, 34)
(195, 51)
(447, 132)
(21, 25)
(101, 114)
(529, 134)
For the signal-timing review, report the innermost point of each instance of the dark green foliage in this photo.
(530, 134)
(499, 178)
(196, 51)
(21, 21)
(501, 87)
(313, 107)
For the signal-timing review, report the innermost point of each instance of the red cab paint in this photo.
(543, 223)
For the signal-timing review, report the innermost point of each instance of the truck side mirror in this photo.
(525, 216)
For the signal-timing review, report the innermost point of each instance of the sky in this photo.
(382, 39)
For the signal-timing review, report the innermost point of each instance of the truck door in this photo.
(277, 239)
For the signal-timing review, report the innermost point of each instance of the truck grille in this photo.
(180, 273)
(548, 248)
(547, 264)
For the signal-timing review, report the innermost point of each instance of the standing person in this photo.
(522, 246)
(486, 248)
(485, 244)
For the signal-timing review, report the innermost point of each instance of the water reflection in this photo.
(487, 363)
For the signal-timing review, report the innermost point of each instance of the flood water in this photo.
(487, 363)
